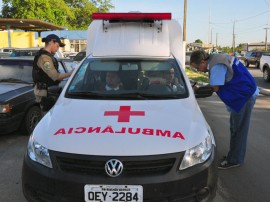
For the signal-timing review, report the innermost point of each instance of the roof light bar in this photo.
(132, 16)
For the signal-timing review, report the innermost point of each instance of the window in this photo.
(16, 70)
(128, 79)
(78, 45)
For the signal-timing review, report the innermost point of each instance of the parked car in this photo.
(265, 67)
(78, 58)
(31, 52)
(19, 52)
(5, 52)
(239, 56)
(18, 108)
(70, 55)
(253, 58)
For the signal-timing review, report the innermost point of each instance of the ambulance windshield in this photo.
(128, 79)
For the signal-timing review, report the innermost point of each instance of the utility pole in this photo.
(209, 24)
(185, 19)
(216, 39)
(184, 32)
(233, 43)
(211, 36)
(266, 29)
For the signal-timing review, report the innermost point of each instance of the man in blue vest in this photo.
(237, 88)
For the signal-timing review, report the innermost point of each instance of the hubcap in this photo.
(265, 75)
(34, 118)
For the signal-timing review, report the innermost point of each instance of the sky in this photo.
(211, 21)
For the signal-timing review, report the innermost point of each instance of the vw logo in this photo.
(114, 167)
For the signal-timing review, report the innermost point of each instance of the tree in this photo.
(53, 11)
(74, 14)
(83, 10)
(227, 49)
(103, 5)
(199, 41)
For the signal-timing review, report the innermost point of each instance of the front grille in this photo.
(132, 166)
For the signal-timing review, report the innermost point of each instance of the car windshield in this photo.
(128, 79)
(16, 71)
(266, 53)
(23, 53)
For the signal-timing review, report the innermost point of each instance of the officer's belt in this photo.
(42, 86)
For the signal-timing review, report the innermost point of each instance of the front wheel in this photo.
(246, 63)
(266, 74)
(31, 118)
(257, 65)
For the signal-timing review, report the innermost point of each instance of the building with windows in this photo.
(254, 46)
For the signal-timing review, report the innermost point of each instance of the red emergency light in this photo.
(132, 16)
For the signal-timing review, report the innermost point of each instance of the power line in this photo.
(253, 16)
(243, 19)
(243, 31)
(251, 29)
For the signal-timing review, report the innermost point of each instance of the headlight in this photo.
(38, 153)
(197, 154)
(4, 108)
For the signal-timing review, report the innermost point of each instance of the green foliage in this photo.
(229, 50)
(226, 49)
(197, 76)
(74, 14)
(199, 41)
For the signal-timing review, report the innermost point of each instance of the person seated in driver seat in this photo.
(113, 81)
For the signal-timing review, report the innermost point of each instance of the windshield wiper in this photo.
(146, 96)
(132, 95)
(11, 80)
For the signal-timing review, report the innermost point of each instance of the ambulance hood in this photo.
(122, 128)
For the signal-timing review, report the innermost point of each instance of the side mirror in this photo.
(203, 91)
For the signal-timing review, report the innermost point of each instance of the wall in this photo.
(18, 39)
(74, 39)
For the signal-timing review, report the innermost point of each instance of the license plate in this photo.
(109, 193)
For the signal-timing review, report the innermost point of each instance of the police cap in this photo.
(53, 37)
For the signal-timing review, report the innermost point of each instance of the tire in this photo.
(246, 63)
(266, 74)
(257, 64)
(31, 118)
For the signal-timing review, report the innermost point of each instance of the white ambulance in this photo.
(126, 126)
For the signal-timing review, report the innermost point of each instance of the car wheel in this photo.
(266, 74)
(246, 63)
(31, 118)
(257, 64)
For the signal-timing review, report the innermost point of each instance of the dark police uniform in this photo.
(45, 74)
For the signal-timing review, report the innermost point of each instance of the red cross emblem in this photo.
(124, 113)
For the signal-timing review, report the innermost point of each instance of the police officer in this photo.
(45, 71)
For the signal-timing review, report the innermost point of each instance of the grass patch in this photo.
(197, 76)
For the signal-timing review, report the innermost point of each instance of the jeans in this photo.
(239, 126)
